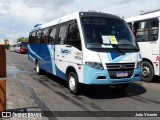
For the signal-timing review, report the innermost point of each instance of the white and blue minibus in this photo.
(86, 47)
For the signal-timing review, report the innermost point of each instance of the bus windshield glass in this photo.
(24, 45)
(101, 32)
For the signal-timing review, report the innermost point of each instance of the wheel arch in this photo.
(36, 60)
(145, 59)
(71, 69)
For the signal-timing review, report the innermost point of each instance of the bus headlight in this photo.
(95, 65)
(139, 64)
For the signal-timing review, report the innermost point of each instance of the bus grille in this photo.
(113, 68)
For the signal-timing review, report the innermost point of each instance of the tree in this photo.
(22, 39)
(7, 46)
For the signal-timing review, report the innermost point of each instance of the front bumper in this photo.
(97, 77)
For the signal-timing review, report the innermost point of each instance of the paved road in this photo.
(27, 91)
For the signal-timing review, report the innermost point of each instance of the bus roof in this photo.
(143, 17)
(74, 16)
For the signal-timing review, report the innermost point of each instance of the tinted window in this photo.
(146, 30)
(24, 45)
(73, 37)
(130, 25)
(154, 29)
(32, 37)
(99, 30)
(73, 32)
(62, 34)
(38, 36)
(45, 38)
(52, 35)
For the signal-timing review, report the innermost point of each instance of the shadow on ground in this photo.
(156, 79)
(101, 91)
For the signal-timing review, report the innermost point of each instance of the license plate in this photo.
(122, 74)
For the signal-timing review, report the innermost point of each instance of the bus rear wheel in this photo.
(73, 83)
(38, 69)
(147, 71)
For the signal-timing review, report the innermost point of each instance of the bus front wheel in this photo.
(147, 71)
(73, 84)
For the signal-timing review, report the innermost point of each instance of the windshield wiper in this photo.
(119, 49)
(130, 45)
(93, 45)
(117, 46)
(99, 46)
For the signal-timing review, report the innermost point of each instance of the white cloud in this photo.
(47, 4)
(17, 17)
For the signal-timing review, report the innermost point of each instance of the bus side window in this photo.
(141, 31)
(73, 32)
(32, 38)
(73, 37)
(38, 36)
(52, 36)
(62, 34)
(154, 29)
(45, 38)
(130, 25)
(146, 30)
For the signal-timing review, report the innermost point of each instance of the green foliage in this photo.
(7, 46)
(22, 39)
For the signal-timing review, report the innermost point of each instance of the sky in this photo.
(18, 17)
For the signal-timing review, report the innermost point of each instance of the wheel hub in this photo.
(72, 83)
(146, 71)
(37, 68)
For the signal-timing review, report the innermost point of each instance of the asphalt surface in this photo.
(27, 91)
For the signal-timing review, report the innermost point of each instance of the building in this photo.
(6, 42)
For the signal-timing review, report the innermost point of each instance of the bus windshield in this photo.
(100, 32)
(24, 45)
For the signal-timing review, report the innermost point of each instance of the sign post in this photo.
(2, 79)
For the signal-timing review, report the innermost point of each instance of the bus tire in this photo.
(38, 69)
(73, 83)
(121, 87)
(147, 71)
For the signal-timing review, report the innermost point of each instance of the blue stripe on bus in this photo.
(48, 62)
(114, 55)
(30, 47)
(60, 74)
(51, 48)
(120, 58)
(115, 58)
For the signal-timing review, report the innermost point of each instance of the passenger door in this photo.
(59, 56)
(51, 47)
(72, 50)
